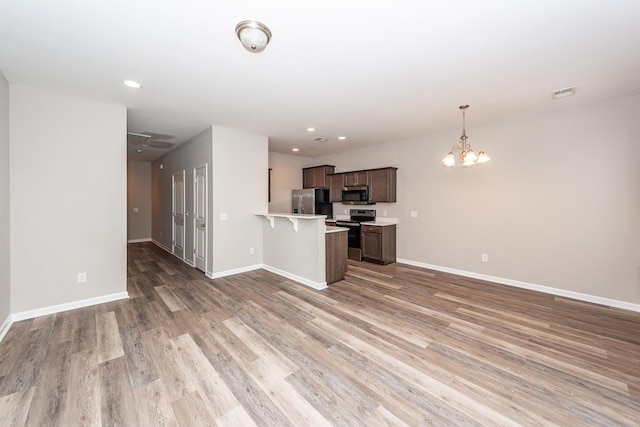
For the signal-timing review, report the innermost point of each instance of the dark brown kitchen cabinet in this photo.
(382, 185)
(379, 243)
(336, 182)
(356, 178)
(336, 256)
(316, 177)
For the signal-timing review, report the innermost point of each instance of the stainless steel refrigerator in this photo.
(311, 201)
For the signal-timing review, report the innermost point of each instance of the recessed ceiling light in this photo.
(342, 138)
(295, 149)
(132, 83)
(311, 129)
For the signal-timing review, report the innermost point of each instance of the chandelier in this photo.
(467, 156)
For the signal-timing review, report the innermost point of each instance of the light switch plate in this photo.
(414, 214)
(223, 217)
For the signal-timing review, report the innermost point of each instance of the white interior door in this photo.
(178, 214)
(200, 222)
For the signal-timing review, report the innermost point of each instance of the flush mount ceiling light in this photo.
(132, 83)
(253, 35)
(467, 156)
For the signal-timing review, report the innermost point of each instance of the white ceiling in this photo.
(374, 71)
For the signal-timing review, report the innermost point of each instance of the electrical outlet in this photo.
(346, 211)
(251, 251)
(414, 214)
(82, 277)
(161, 234)
(384, 212)
(485, 258)
(136, 210)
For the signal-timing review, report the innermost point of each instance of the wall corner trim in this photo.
(160, 245)
(5, 327)
(68, 306)
(233, 271)
(531, 286)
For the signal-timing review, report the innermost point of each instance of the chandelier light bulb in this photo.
(482, 157)
(449, 161)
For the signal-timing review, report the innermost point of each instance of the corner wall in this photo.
(68, 199)
(195, 152)
(5, 254)
(239, 189)
(558, 205)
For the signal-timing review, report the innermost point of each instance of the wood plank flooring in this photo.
(388, 346)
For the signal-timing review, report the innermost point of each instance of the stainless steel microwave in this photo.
(355, 195)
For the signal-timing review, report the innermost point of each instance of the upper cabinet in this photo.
(336, 182)
(382, 184)
(356, 178)
(316, 177)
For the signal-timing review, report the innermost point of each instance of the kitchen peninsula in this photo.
(300, 247)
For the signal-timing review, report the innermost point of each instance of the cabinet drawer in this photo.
(371, 229)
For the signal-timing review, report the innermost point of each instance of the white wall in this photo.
(238, 175)
(5, 265)
(197, 151)
(286, 175)
(557, 206)
(239, 189)
(68, 199)
(138, 198)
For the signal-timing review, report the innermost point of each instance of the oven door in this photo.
(353, 238)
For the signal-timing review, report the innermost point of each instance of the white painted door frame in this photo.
(200, 209)
(178, 213)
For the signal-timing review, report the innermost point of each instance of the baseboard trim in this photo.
(233, 271)
(310, 283)
(161, 246)
(30, 314)
(139, 240)
(531, 286)
(5, 327)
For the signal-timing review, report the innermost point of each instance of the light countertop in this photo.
(378, 223)
(291, 215)
(334, 229)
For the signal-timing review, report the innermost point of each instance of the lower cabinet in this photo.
(336, 256)
(379, 243)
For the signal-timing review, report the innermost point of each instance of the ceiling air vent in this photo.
(320, 139)
(561, 93)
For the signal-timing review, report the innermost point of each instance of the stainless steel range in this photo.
(353, 224)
